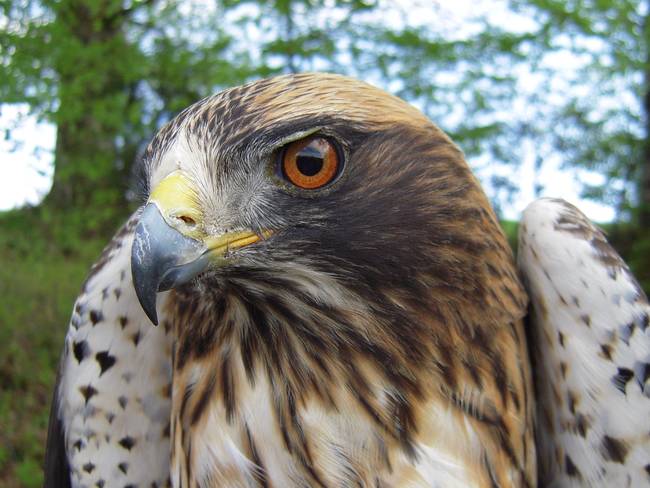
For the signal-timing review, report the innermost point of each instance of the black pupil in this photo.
(309, 161)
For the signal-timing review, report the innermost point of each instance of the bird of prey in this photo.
(337, 306)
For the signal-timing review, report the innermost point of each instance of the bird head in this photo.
(324, 238)
(319, 189)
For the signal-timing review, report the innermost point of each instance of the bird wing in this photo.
(109, 422)
(590, 345)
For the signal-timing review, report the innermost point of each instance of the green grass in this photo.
(39, 280)
(511, 229)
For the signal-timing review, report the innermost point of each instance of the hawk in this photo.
(337, 306)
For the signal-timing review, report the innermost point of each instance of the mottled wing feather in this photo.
(109, 424)
(591, 352)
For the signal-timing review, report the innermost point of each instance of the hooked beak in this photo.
(169, 247)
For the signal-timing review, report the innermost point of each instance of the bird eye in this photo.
(310, 163)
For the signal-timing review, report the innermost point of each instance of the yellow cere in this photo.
(176, 197)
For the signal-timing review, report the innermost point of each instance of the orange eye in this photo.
(310, 163)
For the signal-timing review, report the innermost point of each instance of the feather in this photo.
(111, 404)
(590, 343)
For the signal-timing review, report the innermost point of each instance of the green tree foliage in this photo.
(602, 120)
(600, 123)
(107, 73)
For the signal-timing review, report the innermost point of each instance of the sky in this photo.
(26, 157)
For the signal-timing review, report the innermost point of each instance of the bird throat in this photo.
(280, 348)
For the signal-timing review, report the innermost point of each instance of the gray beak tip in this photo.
(149, 306)
(145, 279)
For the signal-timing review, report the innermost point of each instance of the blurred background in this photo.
(546, 98)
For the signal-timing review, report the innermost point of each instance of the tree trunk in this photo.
(88, 177)
(644, 184)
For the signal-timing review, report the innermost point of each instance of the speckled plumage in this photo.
(113, 396)
(591, 348)
(374, 338)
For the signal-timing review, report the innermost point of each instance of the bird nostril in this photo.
(188, 220)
